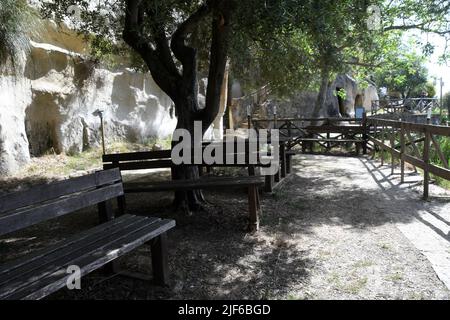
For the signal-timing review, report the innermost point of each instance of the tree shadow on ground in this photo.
(395, 191)
(210, 254)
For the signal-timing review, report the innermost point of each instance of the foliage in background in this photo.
(402, 70)
(17, 21)
(446, 102)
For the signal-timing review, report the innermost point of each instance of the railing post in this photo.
(426, 159)
(364, 124)
(392, 140)
(381, 147)
(402, 152)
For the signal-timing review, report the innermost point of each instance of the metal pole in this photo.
(99, 113)
(103, 133)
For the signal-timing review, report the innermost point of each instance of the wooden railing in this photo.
(326, 132)
(414, 105)
(411, 143)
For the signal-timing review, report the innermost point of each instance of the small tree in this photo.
(17, 20)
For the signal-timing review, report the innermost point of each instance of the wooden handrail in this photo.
(393, 127)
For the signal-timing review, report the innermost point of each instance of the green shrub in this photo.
(17, 21)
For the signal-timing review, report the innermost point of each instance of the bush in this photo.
(446, 102)
(17, 20)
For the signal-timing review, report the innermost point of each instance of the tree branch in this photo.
(132, 35)
(221, 26)
(182, 52)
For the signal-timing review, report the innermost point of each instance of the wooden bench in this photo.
(163, 159)
(252, 183)
(43, 272)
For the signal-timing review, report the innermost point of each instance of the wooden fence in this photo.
(411, 143)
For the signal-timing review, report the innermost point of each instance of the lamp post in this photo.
(99, 113)
(249, 116)
(275, 117)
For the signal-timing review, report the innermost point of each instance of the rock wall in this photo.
(47, 103)
(302, 105)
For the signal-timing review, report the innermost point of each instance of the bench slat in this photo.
(17, 220)
(66, 255)
(133, 156)
(14, 264)
(176, 185)
(328, 140)
(88, 262)
(139, 165)
(77, 245)
(55, 190)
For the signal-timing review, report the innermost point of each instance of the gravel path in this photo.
(340, 228)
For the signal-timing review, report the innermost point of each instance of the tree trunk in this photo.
(187, 201)
(322, 97)
(182, 87)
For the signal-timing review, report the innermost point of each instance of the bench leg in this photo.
(277, 176)
(269, 184)
(283, 159)
(251, 171)
(159, 259)
(254, 208)
(288, 164)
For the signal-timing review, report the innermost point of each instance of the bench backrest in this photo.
(41, 203)
(163, 158)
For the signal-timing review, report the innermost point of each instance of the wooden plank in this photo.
(283, 159)
(415, 127)
(29, 216)
(413, 144)
(335, 129)
(426, 160)
(414, 161)
(133, 156)
(159, 259)
(77, 244)
(402, 152)
(440, 172)
(57, 189)
(48, 264)
(140, 165)
(310, 119)
(253, 209)
(180, 185)
(393, 150)
(330, 140)
(379, 143)
(91, 261)
(12, 265)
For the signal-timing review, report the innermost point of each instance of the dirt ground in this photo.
(339, 228)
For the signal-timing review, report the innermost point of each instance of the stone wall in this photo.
(46, 103)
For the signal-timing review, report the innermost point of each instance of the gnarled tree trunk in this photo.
(181, 85)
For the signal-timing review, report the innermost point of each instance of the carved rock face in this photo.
(47, 104)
